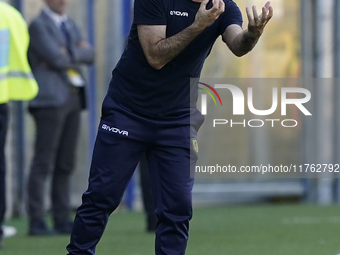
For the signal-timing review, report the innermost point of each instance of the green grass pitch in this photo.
(227, 230)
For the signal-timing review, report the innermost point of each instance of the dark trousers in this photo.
(149, 207)
(3, 129)
(123, 137)
(57, 131)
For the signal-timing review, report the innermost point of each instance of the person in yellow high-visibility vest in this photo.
(16, 79)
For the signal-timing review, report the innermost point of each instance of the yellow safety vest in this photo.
(16, 78)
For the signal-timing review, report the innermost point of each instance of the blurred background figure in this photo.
(16, 80)
(56, 52)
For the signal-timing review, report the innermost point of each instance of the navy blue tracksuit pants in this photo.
(123, 137)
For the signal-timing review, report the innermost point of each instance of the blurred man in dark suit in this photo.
(56, 52)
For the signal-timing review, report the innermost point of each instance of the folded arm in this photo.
(83, 52)
(48, 49)
(55, 56)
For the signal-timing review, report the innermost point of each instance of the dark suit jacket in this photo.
(49, 64)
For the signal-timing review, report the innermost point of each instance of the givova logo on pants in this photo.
(115, 130)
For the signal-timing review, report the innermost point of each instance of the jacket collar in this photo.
(55, 17)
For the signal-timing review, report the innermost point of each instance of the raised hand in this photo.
(205, 17)
(257, 23)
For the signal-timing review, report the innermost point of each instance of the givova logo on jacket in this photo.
(179, 13)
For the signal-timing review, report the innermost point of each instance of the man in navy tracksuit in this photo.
(151, 108)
